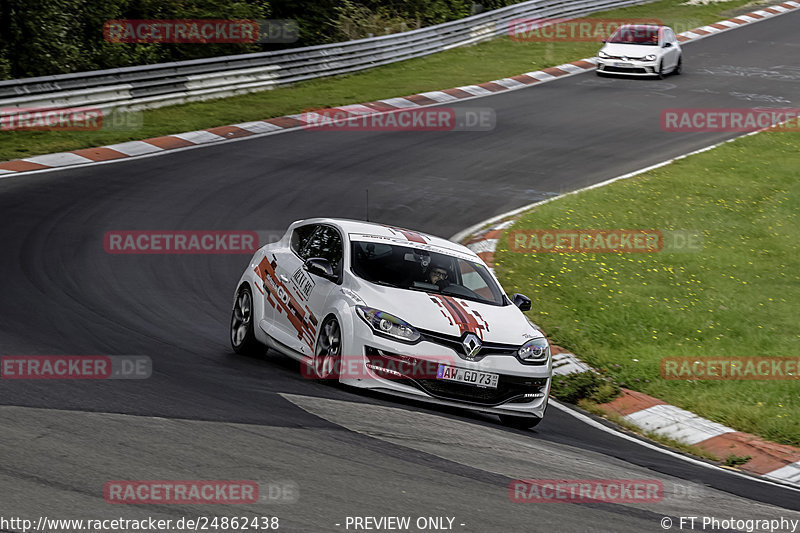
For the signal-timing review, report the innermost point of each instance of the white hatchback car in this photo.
(395, 311)
(641, 50)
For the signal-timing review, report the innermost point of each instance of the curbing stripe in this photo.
(439, 96)
(233, 132)
(676, 423)
(134, 148)
(399, 103)
(61, 159)
(258, 126)
(99, 154)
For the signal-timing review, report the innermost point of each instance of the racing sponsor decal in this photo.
(411, 236)
(281, 299)
(303, 283)
(459, 314)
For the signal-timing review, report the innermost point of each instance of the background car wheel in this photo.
(243, 340)
(328, 353)
(519, 422)
(679, 67)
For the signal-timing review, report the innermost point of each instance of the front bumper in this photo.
(409, 371)
(631, 67)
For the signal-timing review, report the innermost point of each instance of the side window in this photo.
(670, 36)
(325, 243)
(300, 237)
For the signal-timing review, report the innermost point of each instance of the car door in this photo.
(671, 52)
(303, 295)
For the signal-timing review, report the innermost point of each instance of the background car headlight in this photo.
(534, 350)
(383, 323)
(603, 55)
(650, 57)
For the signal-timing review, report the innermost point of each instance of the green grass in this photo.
(738, 296)
(488, 61)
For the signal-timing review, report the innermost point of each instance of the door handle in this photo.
(284, 278)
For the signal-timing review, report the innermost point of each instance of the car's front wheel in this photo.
(679, 67)
(328, 353)
(243, 339)
(660, 71)
(519, 422)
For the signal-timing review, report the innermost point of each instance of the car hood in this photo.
(630, 50)
(450, 315)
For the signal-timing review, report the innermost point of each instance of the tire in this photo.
(660, 73)
(243, 339)
(328, 351)
(519, 422)
(679, 67)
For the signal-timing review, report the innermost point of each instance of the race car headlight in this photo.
(534, 350)
(383, 323)
(650, 57)
(602, 55)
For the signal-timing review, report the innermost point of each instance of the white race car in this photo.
(396, 311)
(641, 50)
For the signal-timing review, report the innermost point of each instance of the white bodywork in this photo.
(662, 57)
(290, 304)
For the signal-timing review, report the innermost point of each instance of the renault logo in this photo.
(471, 344)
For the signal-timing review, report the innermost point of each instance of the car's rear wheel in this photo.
(679, 67)
(519, 422)
(328, 353)
(243, 339)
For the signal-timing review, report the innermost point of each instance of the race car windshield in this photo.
(410, 268)
(635, 35)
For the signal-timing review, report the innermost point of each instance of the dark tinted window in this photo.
(300, 237)
(325, 243)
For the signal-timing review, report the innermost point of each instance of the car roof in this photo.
(361, 230)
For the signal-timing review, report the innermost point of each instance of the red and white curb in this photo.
(192, 139)
(776, 462)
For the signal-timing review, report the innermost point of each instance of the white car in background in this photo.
(641, 50)
(395, 311)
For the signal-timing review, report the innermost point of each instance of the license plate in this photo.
(472, 377)
(623, 64)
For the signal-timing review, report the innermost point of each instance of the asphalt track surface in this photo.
(208, 414)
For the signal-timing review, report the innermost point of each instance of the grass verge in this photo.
(488, 61)
(739, 295)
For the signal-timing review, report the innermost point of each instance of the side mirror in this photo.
(605, 40)
(667, 45)
(521, 301)
(320, 267)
